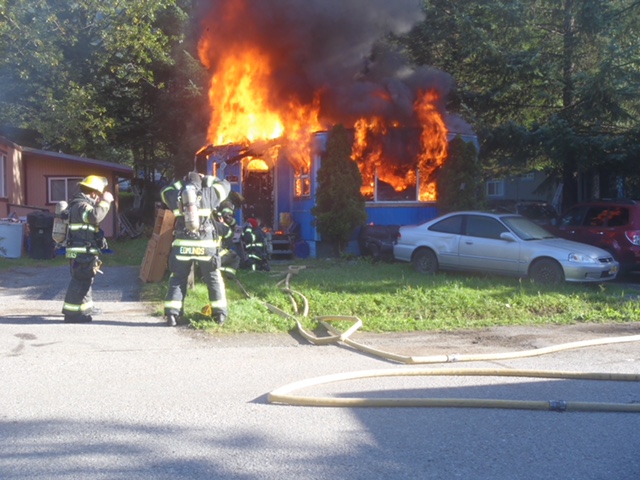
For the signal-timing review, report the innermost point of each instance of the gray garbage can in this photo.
(11, 234)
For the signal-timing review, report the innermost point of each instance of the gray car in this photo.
(505, 244)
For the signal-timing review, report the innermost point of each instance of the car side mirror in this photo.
(507, 236)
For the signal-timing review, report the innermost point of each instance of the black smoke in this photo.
(327, 46)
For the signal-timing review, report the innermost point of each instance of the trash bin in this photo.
(41, 245)
(11, 234)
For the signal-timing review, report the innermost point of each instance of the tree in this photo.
(99, 78)
(459, 186)
(548, 85)
(340, 207)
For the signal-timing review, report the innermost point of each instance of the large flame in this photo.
(367, 153)
(242, 113)
(434, 143)
(238, 94)
(248, 105)
(373, 161)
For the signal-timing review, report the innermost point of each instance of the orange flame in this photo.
(239, 97)
(434, 143)
(243, 112)
(367, 153)
(373, 161)
(241, 109)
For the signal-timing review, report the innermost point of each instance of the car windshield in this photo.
(525, 228)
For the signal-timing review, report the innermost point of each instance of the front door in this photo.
(258, 193)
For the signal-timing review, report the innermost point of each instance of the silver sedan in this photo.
(504, 244)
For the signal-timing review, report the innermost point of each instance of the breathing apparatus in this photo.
(189, 203)
(60, 223)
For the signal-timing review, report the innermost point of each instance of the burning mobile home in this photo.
(283, 73)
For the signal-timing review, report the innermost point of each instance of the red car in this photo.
(613, 225)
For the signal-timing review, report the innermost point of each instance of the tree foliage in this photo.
(340, 206)
(549, 85)
(459, 185)
(102, 79)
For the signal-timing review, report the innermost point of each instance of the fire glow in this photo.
(255, 95)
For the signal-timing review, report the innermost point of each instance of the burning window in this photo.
(388, 162)
(302, 182)
(401, 164)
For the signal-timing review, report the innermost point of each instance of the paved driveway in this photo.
(128, 398)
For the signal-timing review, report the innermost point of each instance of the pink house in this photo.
(37, 179)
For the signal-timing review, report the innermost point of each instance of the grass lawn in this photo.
(387, 297)
(394, 298)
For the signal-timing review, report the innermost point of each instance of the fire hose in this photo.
(283, 395)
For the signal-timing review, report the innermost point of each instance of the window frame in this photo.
(457, 221)
(376, 195)
(68, 190)
(302, 183)
(499, 184)
(3, 174)
(479, 226)
(377, 191)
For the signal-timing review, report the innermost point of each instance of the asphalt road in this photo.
(127, 398)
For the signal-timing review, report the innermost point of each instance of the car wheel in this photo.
(425, 261)
(547, 272)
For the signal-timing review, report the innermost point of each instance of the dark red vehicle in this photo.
(613, 225)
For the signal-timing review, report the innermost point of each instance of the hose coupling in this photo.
(557, 405)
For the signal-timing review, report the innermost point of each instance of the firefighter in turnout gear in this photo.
(226, 224)
(193, 200)
(84, 241)
(254, 247)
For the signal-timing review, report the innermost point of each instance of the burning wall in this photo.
(287, 68)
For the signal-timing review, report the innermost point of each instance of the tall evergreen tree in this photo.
(340, 206)
(459, 185)
(549, 85)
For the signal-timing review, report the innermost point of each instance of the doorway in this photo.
(258, 193)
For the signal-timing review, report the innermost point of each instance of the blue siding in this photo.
(302, 214)
(401, 214)
(409, 213)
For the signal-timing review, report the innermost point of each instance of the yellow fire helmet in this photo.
(95, 182)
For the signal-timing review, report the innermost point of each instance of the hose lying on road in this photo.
(283, 395)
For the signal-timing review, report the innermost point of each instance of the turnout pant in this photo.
(78, 300)
(230, 261)
(180, 269)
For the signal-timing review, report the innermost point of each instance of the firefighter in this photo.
(193, 200)
(254, 246)
(85, 239)
(230, 260)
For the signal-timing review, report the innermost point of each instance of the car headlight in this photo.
(581, 258)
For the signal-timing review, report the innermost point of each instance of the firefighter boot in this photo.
(219, 318)
(80, 318)
(171, 320)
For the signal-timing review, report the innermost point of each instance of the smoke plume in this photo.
(325, 46)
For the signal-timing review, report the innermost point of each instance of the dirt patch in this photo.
(489, 340)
